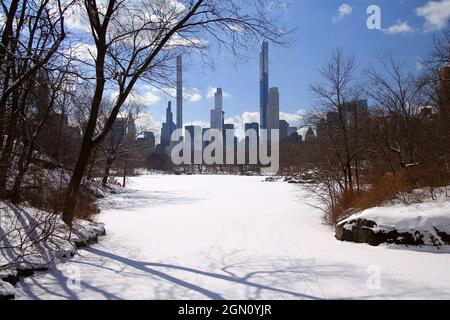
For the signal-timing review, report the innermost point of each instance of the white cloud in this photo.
(146, 122)
(212, 91)
(343, 11)
(76, 19)
(436, 14)
(399, 27)
(294, 119)
(199, 123)
(419, 66)
(193, 95)
(239, 121)
(83, 51)
(147, 96)
(189, 94)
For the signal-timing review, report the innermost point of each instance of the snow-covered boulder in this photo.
(418, 224)
(7, 291)
(86, 232)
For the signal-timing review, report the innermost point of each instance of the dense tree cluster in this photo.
(69, 70)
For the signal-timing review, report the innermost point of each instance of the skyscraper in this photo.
(147, 142)
(179, 92)
(168, 127)
(229, 127)
(196, 143)
(252, 126)
(273, 109)
(264, 84)
(284, 126)
(217, 112)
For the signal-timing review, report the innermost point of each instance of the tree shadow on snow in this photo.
(282, 274)
(151, 268)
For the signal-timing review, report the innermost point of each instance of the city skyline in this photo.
(314, 39)
(269, 111)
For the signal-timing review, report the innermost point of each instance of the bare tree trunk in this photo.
(108, 165)
(7, 152)
(124, 173)
(75, 181)
(23, 164)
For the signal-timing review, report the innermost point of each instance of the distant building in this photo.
(118, 131)
(295, 137)
(352, 113)
(217, 112)
(147, 141)
(310, 136)
(332, 119)
(284, 126)
(58, 138)
(327, 125)
(228, 127)
(291, 131)
(355, 111)
(168, 127)
(122, 129)
(264, 83)
(252, 126)
(196, 142)
(179, 92)
(273, 110)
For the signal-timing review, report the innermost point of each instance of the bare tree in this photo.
(32, 34)
(400, 101)
(137, 41)
(335, 96)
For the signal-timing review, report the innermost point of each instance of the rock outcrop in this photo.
(405, 226)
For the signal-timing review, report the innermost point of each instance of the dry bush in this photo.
(389, 188)
(86, 206)
(52, 201)
(386, 189)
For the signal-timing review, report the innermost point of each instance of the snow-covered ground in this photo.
(232, 237)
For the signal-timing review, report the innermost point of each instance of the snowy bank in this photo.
(7, 291)
(34, 240)
(418, 224)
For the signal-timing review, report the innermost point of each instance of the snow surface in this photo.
(233, 237)
(6, 289)
(422, 216)
(35, 239)
(425, 218)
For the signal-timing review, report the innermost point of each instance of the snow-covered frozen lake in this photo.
(231, 237)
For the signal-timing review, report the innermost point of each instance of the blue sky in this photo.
(408, 27)
(407, 30)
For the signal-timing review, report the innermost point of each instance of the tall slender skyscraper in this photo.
(217, 112)
(264, 84)
(179, 92)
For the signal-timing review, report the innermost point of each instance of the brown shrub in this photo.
(387, 188)
(53, 201)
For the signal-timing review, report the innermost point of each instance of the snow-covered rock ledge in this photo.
(33, 240)
(425, 224)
